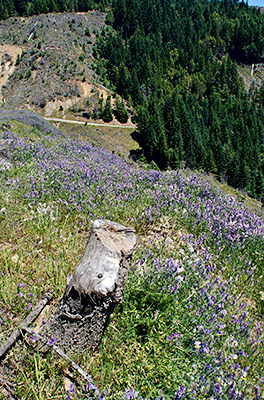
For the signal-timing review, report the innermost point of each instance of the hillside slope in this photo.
(184, 84)
(46, 63)
(191, 323)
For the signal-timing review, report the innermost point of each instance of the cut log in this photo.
(94, 290)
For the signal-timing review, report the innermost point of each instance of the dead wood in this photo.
(95, 288)
(58, 350)
(7, 391)
(5, 153)
(28, 320)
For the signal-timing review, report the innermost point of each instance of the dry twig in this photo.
(7, 390)
(59, 351)
(28, 320)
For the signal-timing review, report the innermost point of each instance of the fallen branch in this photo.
(58, 350)
(7, 390)
(27, 321)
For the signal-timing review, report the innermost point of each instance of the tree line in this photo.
(10, 8)
(176, 62)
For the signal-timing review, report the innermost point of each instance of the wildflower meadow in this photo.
(191, 322)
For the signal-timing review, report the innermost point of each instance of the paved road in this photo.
(89, 123)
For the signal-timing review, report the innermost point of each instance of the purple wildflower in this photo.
(71, 392)
(257, 392)
(180, 393)
(33, 337)
(52, 341)
(90, 386)
(130, 394)
(102, 396)
(174, 336)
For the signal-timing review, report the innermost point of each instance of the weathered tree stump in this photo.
(94, 290)
(5, 153)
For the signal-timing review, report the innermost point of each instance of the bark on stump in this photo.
(5, 153)
(94, 290)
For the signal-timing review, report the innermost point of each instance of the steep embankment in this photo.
(8, 56)
(47, 64)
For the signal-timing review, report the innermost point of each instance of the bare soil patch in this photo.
(8, 56)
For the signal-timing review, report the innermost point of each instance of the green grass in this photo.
(112, 139)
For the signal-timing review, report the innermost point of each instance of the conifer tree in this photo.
(21, 6)
(120, 111)
(107, 115)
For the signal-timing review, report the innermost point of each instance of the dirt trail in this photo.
(8, 55)
(70, 121)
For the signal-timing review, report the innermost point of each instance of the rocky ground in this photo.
(46, 63)
(252, 75)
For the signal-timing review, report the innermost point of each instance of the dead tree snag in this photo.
(94, 290)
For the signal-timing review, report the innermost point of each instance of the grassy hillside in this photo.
(116, 140)
(191, 323)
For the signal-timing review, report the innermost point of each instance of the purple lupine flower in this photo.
(180, 393)
(72, 389)
(102, 396)
(71, 392)
(174, 335)
(205, 349)
(257, 392)
(130, 394)
(90, 386)
(52, 341)
(33, 337)
(218, 388)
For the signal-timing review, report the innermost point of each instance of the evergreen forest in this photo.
(176, 61)
(10, 8)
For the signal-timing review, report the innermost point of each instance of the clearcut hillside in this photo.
(47, 64)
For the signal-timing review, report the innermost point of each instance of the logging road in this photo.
(69, 121)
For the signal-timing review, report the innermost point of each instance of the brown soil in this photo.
(8, 56)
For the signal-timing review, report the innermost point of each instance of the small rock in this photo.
(15, 258)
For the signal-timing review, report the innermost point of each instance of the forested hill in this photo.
(176, 61)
